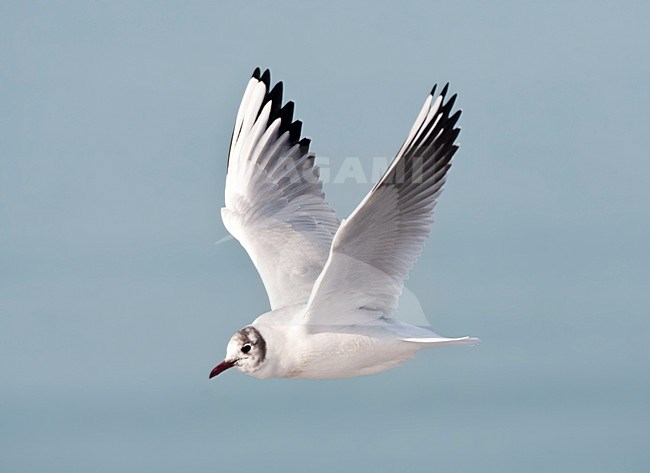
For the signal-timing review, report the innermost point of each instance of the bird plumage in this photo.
(333, 286)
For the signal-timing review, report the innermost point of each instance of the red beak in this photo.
(223, 366)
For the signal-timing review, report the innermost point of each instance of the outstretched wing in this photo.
(376, 247)
(275, 205)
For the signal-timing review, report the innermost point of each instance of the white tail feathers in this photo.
(465, 341)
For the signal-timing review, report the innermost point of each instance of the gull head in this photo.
(246, 351)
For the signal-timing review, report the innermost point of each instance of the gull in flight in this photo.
(333, 286)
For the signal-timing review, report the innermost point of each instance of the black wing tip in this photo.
(266, 78)
(287, 109)
(262, 76)
(286, 116)
(277, 90)
(450, 103)
(294, 131)
(275, 97)
(433, 90)
(453, 120)
(444, 90)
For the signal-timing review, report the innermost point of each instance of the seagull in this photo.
(333, 286)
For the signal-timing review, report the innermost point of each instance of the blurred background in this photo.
(115, 302)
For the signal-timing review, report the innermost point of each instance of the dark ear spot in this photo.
(246, 348)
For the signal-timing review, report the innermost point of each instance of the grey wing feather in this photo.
(376, 247)
(275, 204)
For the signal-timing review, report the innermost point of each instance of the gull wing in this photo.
(376, 247)
(275, 204)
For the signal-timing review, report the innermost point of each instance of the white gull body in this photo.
(333, 286)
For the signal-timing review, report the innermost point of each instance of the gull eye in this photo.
(246, 348)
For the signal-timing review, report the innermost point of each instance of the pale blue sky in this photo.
(115, 303)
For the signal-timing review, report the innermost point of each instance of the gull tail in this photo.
(430, 342)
